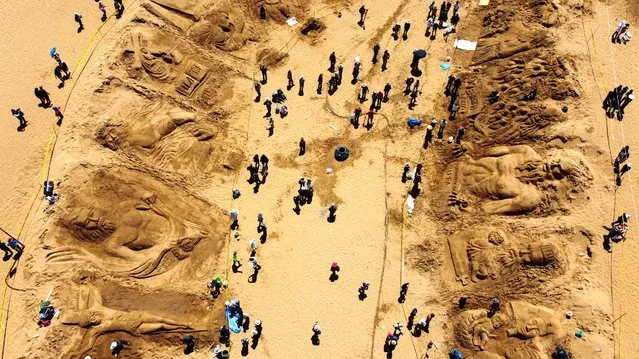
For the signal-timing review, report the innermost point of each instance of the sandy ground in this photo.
(160, 125)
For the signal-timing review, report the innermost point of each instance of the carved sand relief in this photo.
(513, 180)
(520, 330)
(124, 222)
(483, 253)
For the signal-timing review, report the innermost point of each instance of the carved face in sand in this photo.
(89, 225)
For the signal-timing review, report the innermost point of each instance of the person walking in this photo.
(369, 118)
(264, 72)
(258, 90)
(102, 8)
(78, 19)
(58, 114)
(362, 15)
(340, 72)
(43, 96)
(17, 113)
(387, 89)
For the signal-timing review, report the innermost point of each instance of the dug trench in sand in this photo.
(495, 192)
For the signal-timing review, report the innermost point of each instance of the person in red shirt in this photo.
(369, 119)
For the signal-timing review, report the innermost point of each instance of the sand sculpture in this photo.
(482, 253)
(280, 10)
(512, 179)
(126, 224)
(165, 137)
(520, 331)
(223, 29)
(97, 319)
(166, 65)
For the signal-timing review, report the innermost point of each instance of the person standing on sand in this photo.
(289, 76)
(264, 71)
(17, 113)
(301, 92)
(78, 19)
(43, 96)
(258, 90)
(363, 92)
(396, 29)
(387, 89)
(376, 49)
(406, 28)
(333, 60)
(58, 114)
(302, 146)
(268, 104)
(369, 118)
(119, 8)
(385, 58)
(320, 83)
(362, 15)
(102, 8)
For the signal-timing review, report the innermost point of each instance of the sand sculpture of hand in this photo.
(97, 319)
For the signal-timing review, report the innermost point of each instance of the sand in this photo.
(161, 122)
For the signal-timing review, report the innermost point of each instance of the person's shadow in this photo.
(236, 268)
(253, 277)
(331, 217)
(334, 276)
(402, 298)
(315, 339)
(257, 98)
(254, 341)
(416, 71)
(606, 244)
(263, 236)
(189, 349)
